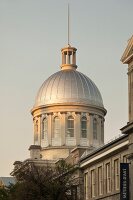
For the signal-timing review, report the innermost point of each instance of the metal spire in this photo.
(68, 26)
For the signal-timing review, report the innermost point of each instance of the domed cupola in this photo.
(68, 110)
(68, 85)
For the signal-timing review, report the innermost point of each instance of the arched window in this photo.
(70, 126)
(83, 127)
(44, 128)
(36, 130)
(94, 129)
(56, 127)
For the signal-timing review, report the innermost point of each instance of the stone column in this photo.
(63, 58)
(102, 130)
(63, 128)
(131, 98)
(49, 129)
(34, 129)
(130, 90)
(68, 58)
(91, 130)
(77, 128)
(99, 130)
(39, 130)
(88, 129)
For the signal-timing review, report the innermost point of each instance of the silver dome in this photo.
(68, 86)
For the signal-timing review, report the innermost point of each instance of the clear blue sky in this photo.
(32, 32)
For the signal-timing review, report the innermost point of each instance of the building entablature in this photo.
(105, 151)
(128, 53)
(68, 107)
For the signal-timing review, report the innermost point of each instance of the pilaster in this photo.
(77, 128)
(39, 130)
(99, 130)
(91, 130)
(63, 128)
(49, 136)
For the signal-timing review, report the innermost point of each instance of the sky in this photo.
(32, 32)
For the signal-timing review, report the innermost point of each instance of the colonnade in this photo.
(45, 134)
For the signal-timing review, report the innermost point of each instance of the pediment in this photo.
(128, 53)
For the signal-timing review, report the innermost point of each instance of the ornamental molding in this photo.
(128, 53)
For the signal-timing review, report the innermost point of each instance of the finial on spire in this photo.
(68, 53)
(68, 26)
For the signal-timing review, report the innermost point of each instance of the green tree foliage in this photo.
(3, 194)
(43, 183)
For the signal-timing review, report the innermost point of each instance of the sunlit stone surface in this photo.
(68, 111)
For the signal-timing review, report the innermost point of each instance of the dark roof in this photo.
(84, 156)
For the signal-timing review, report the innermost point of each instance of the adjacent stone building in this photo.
(101, 167)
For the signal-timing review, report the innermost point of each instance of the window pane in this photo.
(95, 129)
(100, 181)
(44, 128)
(86, 185)
(116, 174)
(56, 127)
(83, 127)
(93, 186)
(108, 178)
(70, 126)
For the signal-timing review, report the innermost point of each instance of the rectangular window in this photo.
(86, 185)
(116, 174)
(70, 126)
(93, 183)
(100, 180)
(108, 178)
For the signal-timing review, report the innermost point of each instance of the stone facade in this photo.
(101, 169)
(127, 58)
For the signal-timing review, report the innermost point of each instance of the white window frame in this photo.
(117, 174)
(70, 130)
(56, 131)
(108, 177)
(86, 184)
(93, 183)
(100, 180)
